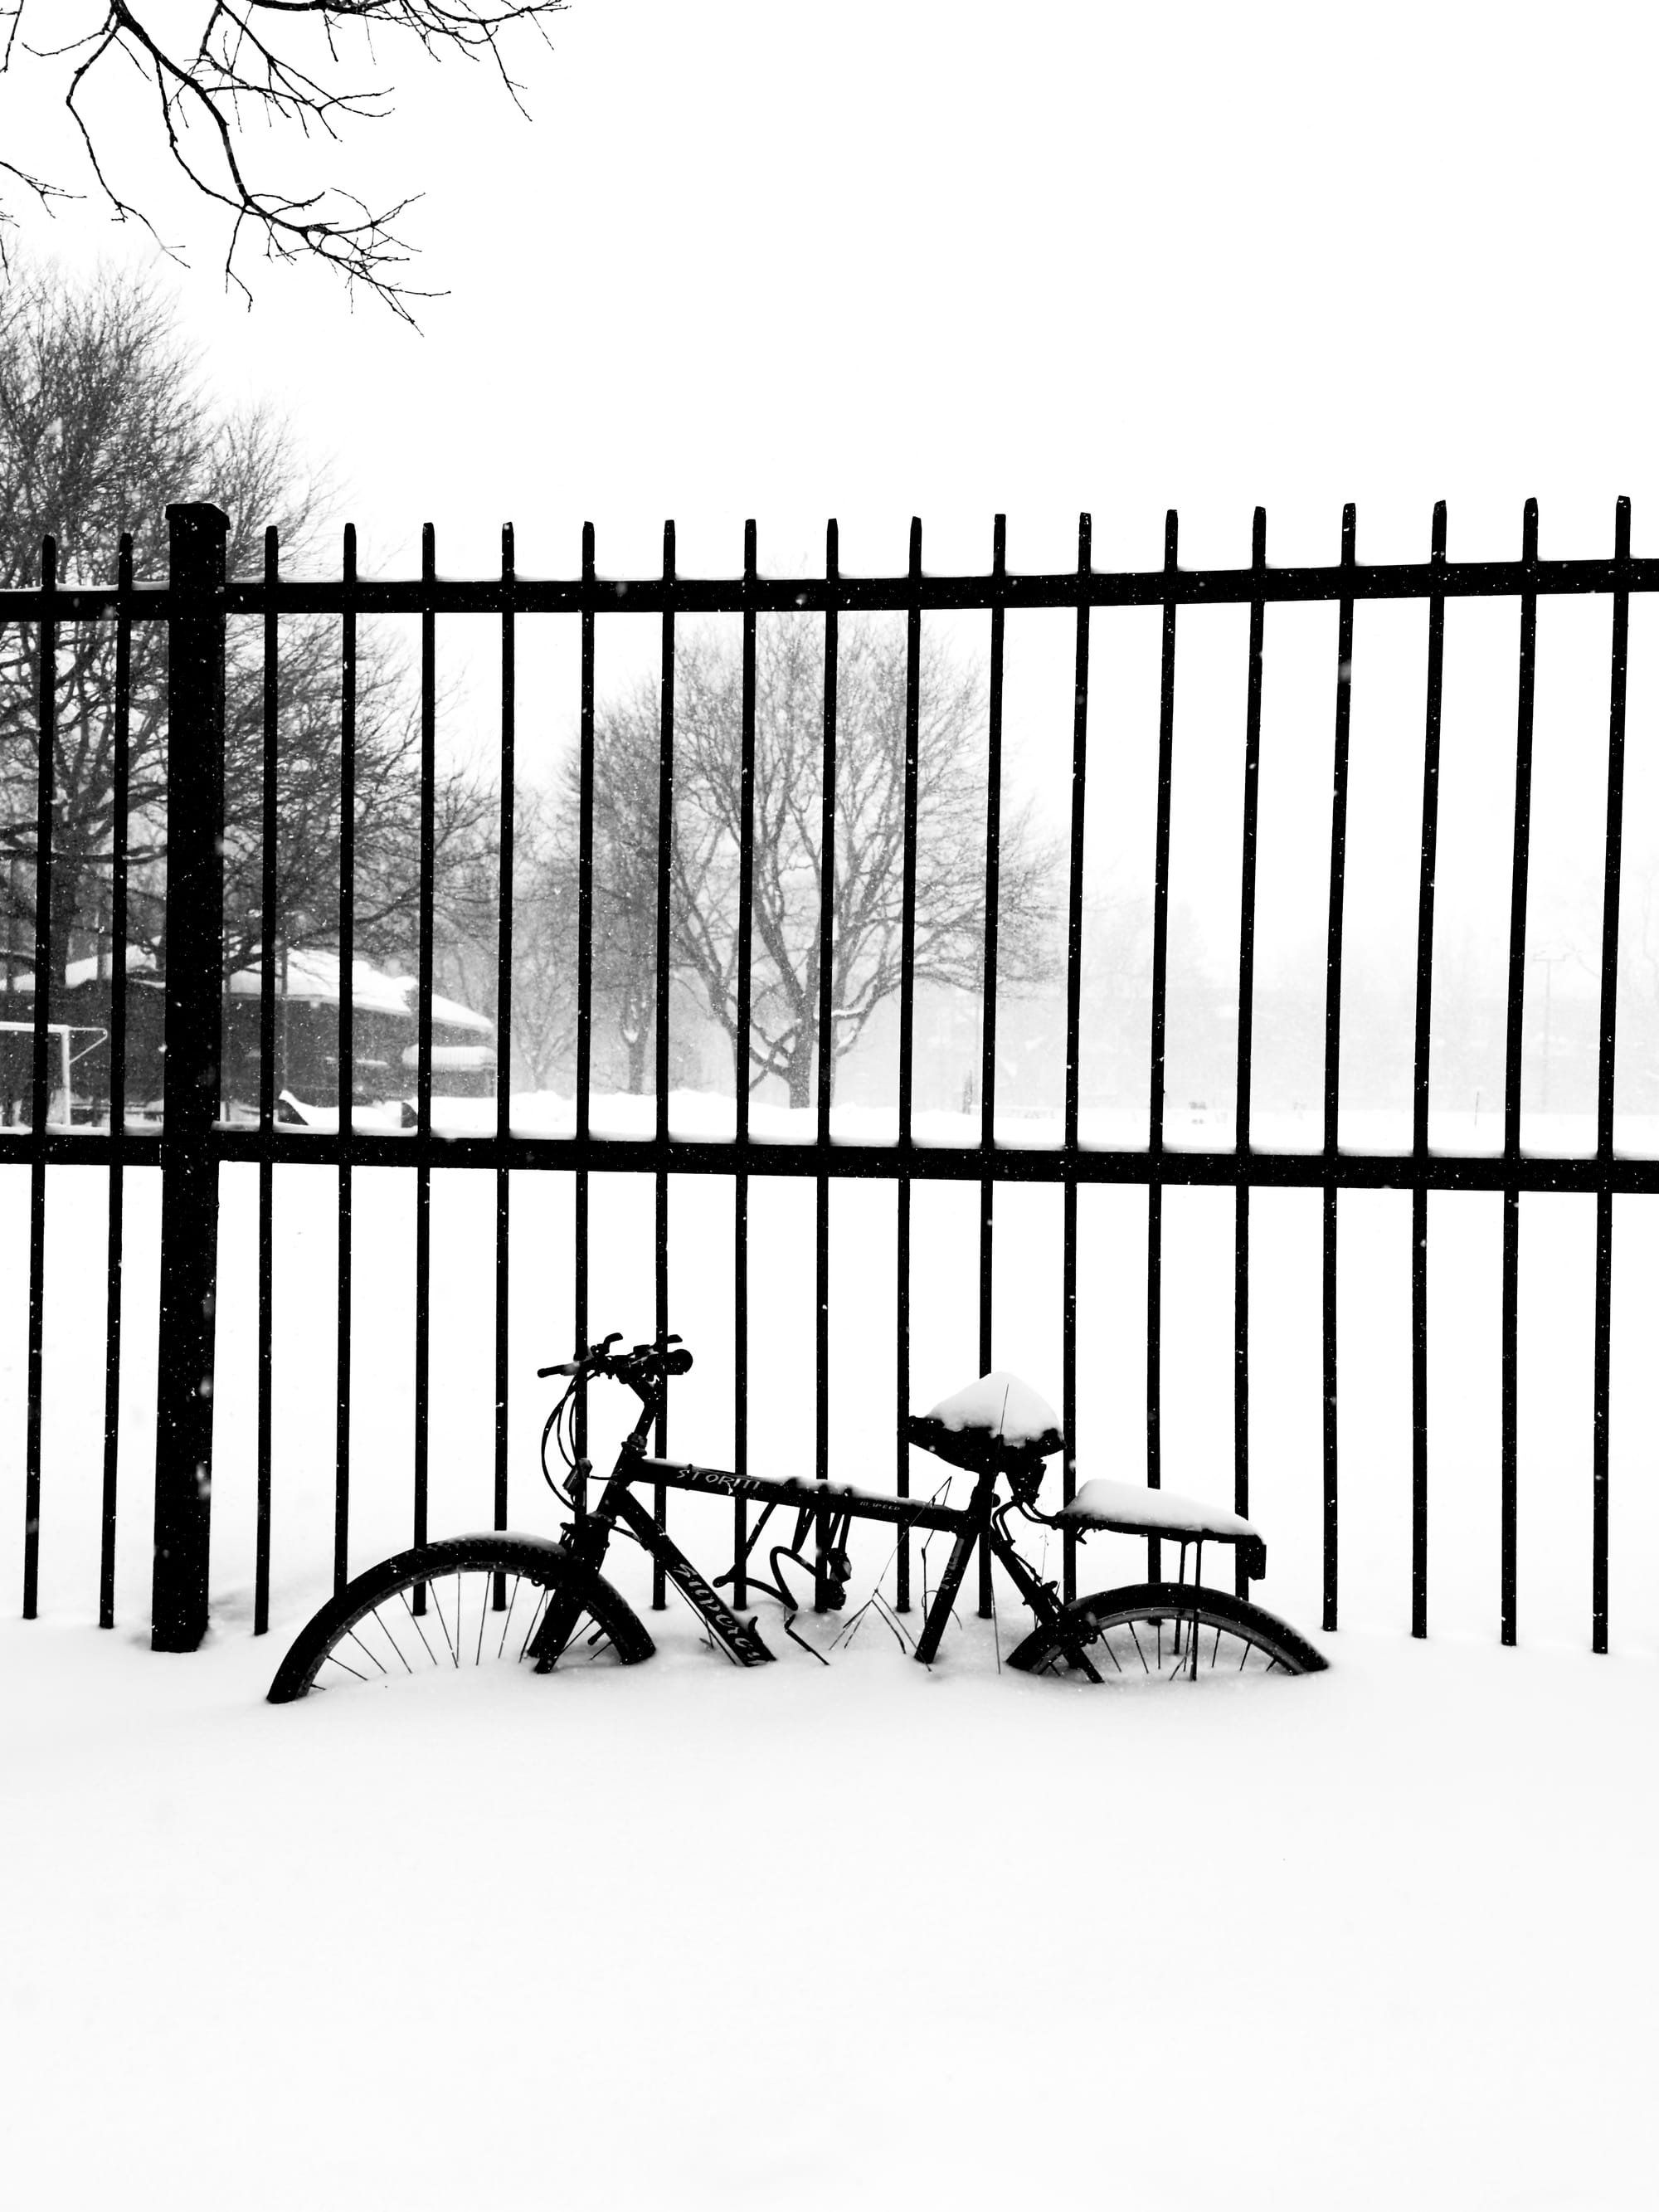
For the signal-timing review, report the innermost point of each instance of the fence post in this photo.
(190, 1167)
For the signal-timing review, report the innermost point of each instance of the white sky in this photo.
(909, 258)
(918, 257)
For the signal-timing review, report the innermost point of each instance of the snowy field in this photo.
(685, 1937)
(680, 1935)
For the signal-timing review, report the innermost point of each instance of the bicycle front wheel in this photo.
(466, 1602)
(1166, 1632)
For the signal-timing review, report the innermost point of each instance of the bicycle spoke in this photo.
(437, 1607)
(340, 1663)
(419, 1630)
(364, 1648)
(507, 1620)
(535, 1622)
(379, 1623)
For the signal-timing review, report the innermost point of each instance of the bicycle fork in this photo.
(586, 1542)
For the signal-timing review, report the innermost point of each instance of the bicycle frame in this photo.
(589, 1537)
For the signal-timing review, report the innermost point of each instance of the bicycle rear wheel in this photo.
(467, 1602)
(1165, 1631)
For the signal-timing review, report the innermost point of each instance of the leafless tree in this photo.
(544, 992)
(103, 423)
(867, 889)
(223, 81)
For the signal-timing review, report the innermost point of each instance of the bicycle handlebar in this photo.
(645, 1361)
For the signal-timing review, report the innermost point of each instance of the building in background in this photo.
(305, 1037)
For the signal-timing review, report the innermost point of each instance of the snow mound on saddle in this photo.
(1132, 1507)
(991, 1419)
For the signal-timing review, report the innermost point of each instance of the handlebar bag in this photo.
(993, 1421)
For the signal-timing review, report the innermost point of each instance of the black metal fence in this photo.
(193, 1140)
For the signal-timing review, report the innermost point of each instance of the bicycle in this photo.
(998, 1431)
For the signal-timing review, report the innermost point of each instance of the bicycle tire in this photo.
(1234, 1637)
(465, 1577)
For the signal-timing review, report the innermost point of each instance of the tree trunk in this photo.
(636, 1042)
(801, 1070)
(63, 912)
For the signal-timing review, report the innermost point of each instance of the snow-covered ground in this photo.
(684, 1935)
(681, 1935)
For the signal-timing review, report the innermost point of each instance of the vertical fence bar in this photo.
(740, 1057)
(1516, 1016)
(1073, 1037)
(907, 1040)
(195, 990)
(1160, 992)
(1334, 1065)
(826, 1065)
(120, 798)
(659, 1009)
(1605, 1075)
(1420, 1086)
(343, 1294)
(424, 989)
(1246, 1036)
(746, 851)
(901, 1338)
(45, 778)
(268, 927)
(585, 982)
(504, 1035)
(664, 977)
(988, 1064)
(423, 1033)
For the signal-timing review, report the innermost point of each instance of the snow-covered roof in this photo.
(313, 974)
(139, 961)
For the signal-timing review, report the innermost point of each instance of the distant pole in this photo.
(194, 925)
(1549, 962)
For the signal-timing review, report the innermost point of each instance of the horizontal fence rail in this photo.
(197, 603)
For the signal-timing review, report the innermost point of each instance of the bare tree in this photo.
(544, 938)
(103, 423)
(867, 887)
(233, 75)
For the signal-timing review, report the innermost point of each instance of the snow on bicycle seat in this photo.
(993, 1421)
(1131, 1510)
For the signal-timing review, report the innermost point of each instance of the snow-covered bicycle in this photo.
(547, 1604)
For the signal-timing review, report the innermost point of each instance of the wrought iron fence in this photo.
(193, 1139)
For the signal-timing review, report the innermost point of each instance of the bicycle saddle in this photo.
(997, 1422)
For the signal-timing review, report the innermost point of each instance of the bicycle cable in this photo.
(555, 1428)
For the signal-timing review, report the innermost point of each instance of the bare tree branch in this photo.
(103, 423)
(868, 872)
(254, 65)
